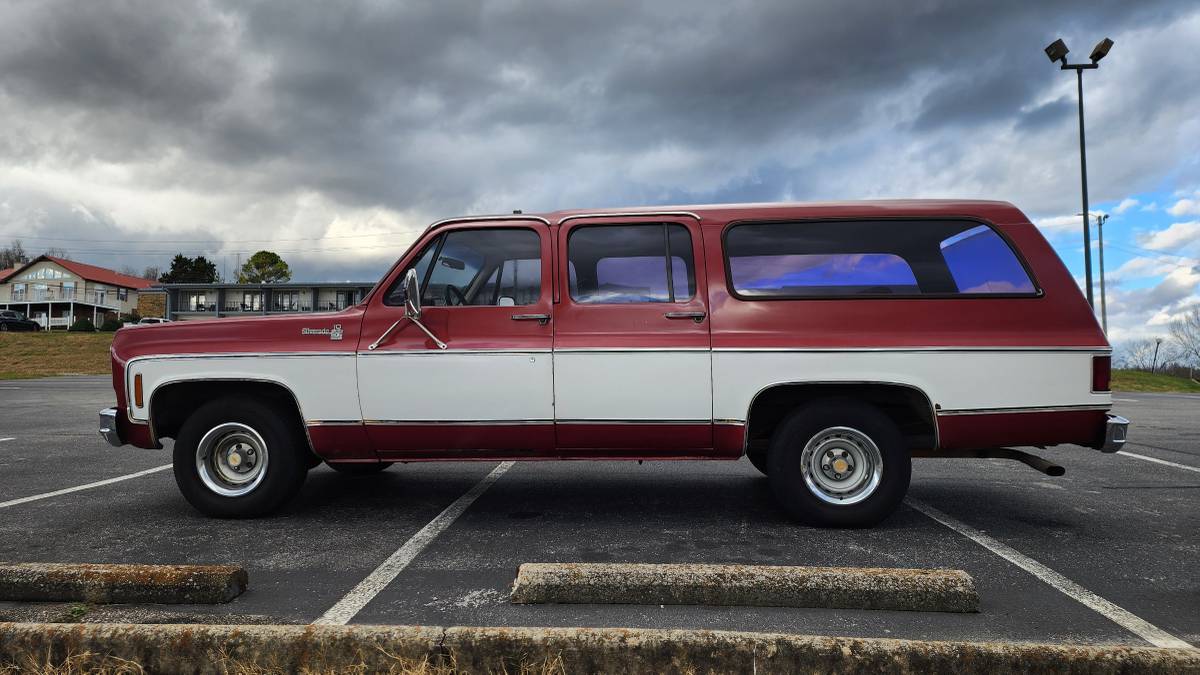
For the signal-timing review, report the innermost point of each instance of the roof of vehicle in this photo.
(996, 211)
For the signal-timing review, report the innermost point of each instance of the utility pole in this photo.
(1154, 362)
(1057, 51)
(1100, 220)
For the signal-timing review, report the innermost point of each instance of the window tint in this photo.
(613, 264)
(981, 262)
(491, 266)
(871, 258)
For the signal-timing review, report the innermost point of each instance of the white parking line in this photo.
(7, 439)
(77, 488)
(1127, 620)
(346, 608)
(1159, 461)
(1126, 400)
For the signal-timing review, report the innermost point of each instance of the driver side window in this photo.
(484, 267)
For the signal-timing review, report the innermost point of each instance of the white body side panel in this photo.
(953, 380)
(456, 386)
(633, 385)
(323, 384)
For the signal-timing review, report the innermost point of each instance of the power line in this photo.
(23, 237)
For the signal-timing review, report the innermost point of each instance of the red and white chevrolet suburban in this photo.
(829, 343)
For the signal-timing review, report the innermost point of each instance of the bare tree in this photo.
(151, 272)
(128, 270)
(57, 252)
(1140, 354)
(13, 255)
(1185, 337)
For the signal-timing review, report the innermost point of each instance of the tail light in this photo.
(137, 390)
(1101, 373)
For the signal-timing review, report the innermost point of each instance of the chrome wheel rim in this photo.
(232, 459)
(842, 466)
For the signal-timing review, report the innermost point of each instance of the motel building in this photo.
(55, 292)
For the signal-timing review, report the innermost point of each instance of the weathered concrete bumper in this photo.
(108, 427)
(163, 584)
(1116, 430)
(930, 590)
(270, 649)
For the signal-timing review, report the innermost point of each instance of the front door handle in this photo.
(694, 316)
(540, 318)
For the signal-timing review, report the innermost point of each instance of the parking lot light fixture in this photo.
(1057, 52)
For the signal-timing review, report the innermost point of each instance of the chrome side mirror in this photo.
(412, 295)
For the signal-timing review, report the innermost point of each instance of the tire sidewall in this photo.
(284, 473)
(787, 478)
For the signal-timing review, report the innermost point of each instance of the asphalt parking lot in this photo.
(1123, 530)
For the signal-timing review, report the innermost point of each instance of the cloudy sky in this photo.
(333, 132)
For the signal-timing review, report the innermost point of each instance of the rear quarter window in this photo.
(885, 258)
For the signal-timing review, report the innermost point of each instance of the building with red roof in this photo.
(56, 291)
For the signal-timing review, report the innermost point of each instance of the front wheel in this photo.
(239, 458)
(839, 464)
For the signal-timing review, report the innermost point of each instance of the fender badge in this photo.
(334, 333)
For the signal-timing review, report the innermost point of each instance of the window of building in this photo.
(287, 301)
(615, 264)
(252, 301)
(196, 302)
(122, 294)
(488, 266)
(18, 292)
(872, 259)
(68, 290)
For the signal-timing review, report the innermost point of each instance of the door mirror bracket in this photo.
(412, 312)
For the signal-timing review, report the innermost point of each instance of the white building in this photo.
(55, 291)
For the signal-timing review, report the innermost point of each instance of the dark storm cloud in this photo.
(435, 108)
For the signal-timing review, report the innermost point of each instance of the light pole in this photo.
(1057, 51)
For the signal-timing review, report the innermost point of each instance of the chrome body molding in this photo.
(732, 423)
(439, 352)
(937, 442)
(333, 423)
(628, 214)
(627, 350)
(842, 350)
(633, 422)
(455, 422)
(1028, 409)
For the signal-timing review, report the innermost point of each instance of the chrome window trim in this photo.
(1085, 407)
(626, 214)
(439, 352)
(483, 219)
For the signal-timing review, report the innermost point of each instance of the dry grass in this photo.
(97, 664)
(43, 354)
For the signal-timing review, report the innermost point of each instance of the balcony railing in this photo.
(106, 299)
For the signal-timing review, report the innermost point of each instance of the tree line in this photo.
(264, 267)
(1177, 352)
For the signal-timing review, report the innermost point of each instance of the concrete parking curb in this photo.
(428, 649)
(936, 590)
(160, 584)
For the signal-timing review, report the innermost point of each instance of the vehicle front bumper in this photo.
(1116, 430)
(108, 427)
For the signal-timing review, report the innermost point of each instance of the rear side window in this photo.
(872, 259)
(617, 264)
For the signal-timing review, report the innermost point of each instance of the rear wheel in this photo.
(239, 458)
(839, 463)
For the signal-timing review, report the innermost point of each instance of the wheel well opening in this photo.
(171, 404)
(907, 407)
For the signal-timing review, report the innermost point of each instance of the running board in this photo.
(1045, 466)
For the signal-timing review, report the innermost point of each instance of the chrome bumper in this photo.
(108, 427)
(1115, 432)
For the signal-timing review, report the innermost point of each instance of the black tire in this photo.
(282, 475)
(802, 501)
(358, 469)
(759, 460)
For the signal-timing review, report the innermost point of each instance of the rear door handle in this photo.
(540, 318)
(694, 316)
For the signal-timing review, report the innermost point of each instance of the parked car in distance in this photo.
(150, 320)
(12, 320)
(829, 343)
